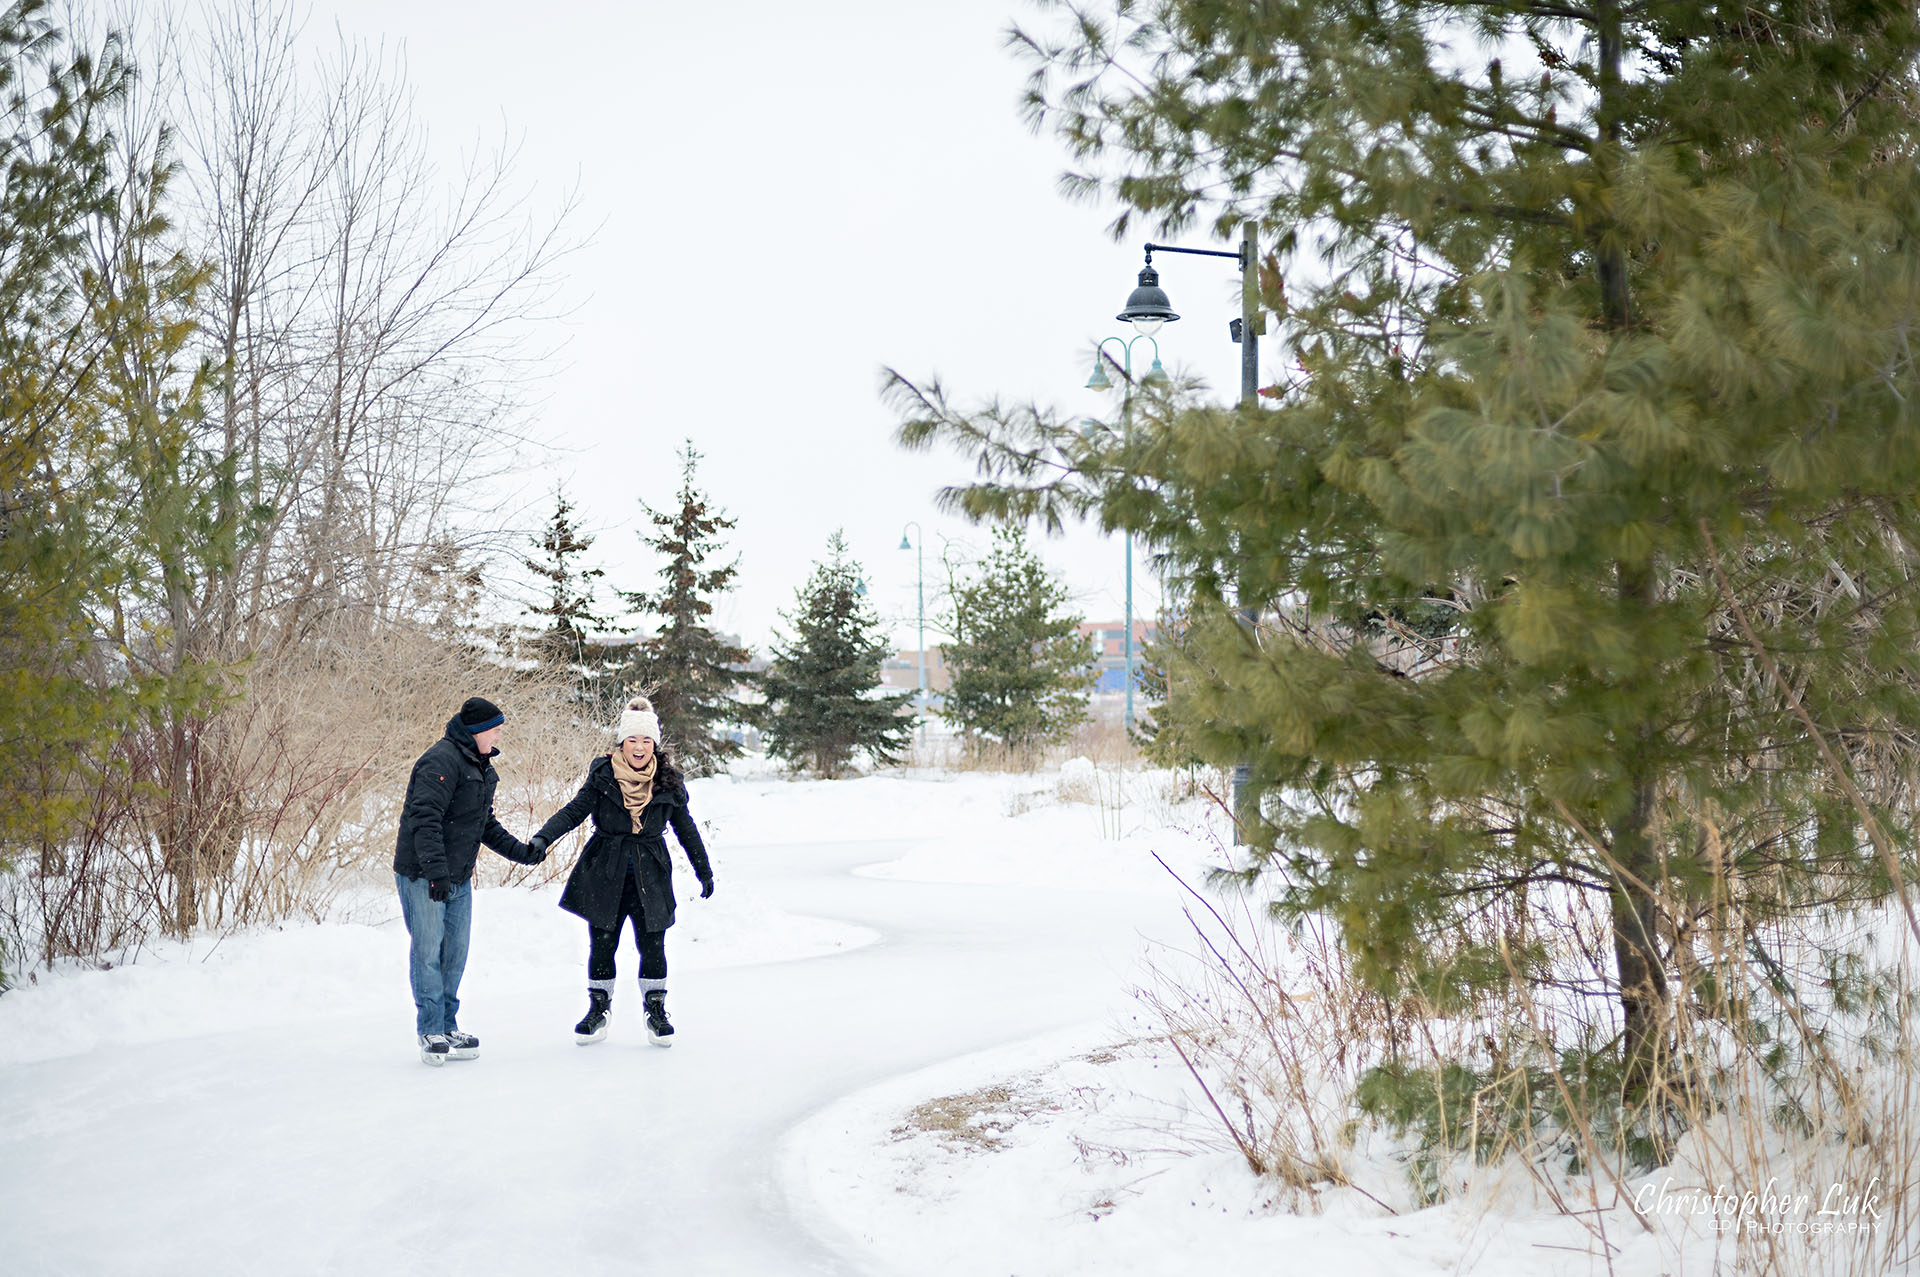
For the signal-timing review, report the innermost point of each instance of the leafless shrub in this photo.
(305, 800)
(1276, 1033)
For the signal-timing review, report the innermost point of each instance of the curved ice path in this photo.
(328, 1148)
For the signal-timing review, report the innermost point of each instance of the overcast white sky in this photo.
(783, 199)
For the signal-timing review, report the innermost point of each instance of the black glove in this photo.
(539, 846)
(438, 888)
(706, 887)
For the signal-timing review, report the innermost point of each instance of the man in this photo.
(448, 814)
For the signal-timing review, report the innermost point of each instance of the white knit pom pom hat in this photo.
(638, 719)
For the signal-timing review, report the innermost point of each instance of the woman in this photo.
(633, 793)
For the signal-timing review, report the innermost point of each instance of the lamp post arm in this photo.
(1196, 252)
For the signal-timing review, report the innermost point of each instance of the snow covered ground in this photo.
(908, 1045)
(1078, 1153)
(257, 1102)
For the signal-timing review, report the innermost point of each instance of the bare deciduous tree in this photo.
(369, 326)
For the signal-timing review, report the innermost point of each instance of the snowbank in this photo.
(1086, 1153)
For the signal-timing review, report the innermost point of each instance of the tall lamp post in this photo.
(1147, 309)
(919, 544)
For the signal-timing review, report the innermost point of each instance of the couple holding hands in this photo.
(632, 792)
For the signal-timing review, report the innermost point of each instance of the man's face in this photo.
(487, 740)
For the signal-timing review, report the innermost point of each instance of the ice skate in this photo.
(659, 1028)
(593, 1025)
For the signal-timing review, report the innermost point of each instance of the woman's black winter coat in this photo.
(593, 888)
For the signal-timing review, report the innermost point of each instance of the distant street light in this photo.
(1155, 376)
(919, 545)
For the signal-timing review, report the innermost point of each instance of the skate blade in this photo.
(659, 1041)
(588, 1039)
(469, 1053)
(428, 1057)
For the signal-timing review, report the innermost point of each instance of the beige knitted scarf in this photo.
(636, 786)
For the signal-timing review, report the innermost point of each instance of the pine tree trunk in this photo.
(1643, 975)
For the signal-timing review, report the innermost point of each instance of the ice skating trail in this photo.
(328, 1147)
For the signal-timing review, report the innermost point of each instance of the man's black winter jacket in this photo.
(449, 812)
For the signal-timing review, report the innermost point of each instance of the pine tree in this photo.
(109, 511)
(1020, 671)
(1607, 391)
(567, 641)
(1157, 733)
(568, 608)
(689, 671)
(822, 690)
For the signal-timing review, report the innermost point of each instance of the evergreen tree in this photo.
(689, 671)
(1607, 387)
(1020, 671)
(568, 608)
(567, 641)
(1157, 732)
(821, 702)
(109, 512)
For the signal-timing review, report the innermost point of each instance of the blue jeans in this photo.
(439, 931)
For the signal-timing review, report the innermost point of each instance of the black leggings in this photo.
(603, 942)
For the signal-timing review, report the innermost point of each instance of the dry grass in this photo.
(975, 1120)
(1777, 1084)
(1103, 739)
(981, 1120)
(293, 794)
(1272, 1029)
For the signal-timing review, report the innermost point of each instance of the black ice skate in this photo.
(462, 1046)
(659, 1028)
(593, 1025)
(434, 1049)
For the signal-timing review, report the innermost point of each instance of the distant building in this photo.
(901, 671)
(1108, 641)
(756, 663)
